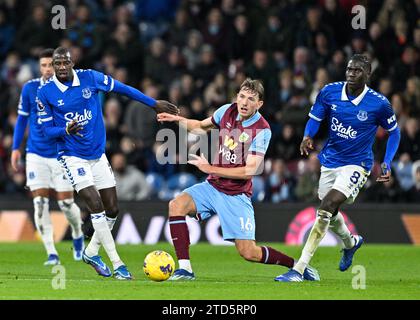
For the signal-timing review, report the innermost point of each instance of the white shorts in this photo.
(348, 180)
(85, 173)
(45, 173)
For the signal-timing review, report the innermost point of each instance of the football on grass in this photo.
(158, 265)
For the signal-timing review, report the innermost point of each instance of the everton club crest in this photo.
(362, 115)
(86, 93)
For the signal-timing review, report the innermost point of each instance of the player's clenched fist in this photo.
(306, 145)
(166, 106)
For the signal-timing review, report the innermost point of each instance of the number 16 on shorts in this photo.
(246, 225)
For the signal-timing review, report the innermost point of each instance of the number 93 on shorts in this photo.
(347, 179)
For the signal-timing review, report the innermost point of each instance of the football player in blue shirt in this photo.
(354, 112)
(43, 171)
(70, 110)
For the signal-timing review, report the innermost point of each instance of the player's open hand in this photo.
(306, 145)
(386, 173)
(200, 162)
(14, 159)
(73, 127)
(167, 107)
(166, 117)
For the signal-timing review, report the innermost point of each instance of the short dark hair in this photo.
(46, 53)
(363, 60)
(255, 86)
(62, 51)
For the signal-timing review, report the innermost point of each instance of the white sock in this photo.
(43, 223)
(95, 244)
(318, 231)
(72, 212)
(104, 234)
(185, 264)
(338, 226)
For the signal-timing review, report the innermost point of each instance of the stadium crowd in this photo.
(196, 53)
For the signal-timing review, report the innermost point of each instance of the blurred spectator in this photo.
(401, 109)
(7, 33)
(215, 34)
(36, 34)
(413, 195)
(155, 64)
(310, 27)
(241, 41)
(262, 69)
(321, 79)
(337, 67)
(87, 34)
(274, 35)
(192, 50)
(112, 117)
(408, 66)
(128, 51)
(410, 139)
(403, 171)
(130, 182)
(207, 67)
(389, 14)
(179, 29)
(334, 16)
(307, 184)
(412, 96)
(286, 145)
(215, 93)
(280, 183)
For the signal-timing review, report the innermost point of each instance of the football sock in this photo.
(100, 225)
(185, 264)
(95, 244)
(318, 231)
(72, 212)
(43, 223)
(180, 237)
(271, 256)
(338, 226)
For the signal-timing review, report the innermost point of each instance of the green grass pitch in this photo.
(392, 272)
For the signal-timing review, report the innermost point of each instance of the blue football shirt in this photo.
(352, 124)
(79, 100)
(37, 142)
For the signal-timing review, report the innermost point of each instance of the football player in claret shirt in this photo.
(70, 111)
(43, 171)
(354, 112)
(244, 136)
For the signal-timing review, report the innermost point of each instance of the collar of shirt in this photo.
(63, 87)
(356, 100)
(250, 121)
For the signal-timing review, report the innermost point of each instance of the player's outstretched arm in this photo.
(159, 106)
(21, 123)
(307, 144)
(391, 149)
(195, 126)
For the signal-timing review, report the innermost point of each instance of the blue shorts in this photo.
(236, 213)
